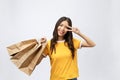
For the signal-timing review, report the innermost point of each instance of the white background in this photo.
(98, 19)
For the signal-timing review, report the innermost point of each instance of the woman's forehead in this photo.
(64, 22)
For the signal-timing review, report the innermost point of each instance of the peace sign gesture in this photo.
(87, 42)
(73, 29)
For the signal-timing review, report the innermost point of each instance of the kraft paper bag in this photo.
(26, 54)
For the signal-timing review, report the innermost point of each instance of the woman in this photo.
(62, 50)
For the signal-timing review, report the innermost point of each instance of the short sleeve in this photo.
(46, 51)
(77, 43)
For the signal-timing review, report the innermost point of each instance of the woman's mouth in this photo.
(61, 32)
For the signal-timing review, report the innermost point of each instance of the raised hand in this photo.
(87, 42)
(43, 39)
(73, 29)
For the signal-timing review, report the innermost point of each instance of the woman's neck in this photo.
(60, 38)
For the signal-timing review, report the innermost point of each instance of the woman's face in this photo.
(62, 28)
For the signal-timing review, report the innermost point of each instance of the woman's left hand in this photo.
(73, 29)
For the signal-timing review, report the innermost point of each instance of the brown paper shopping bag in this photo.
(25, 54)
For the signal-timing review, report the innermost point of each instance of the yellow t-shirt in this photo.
(63, 67)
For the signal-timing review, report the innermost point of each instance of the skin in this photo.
(62, 30)
(64, 27)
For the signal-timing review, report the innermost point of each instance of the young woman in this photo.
(62, 50)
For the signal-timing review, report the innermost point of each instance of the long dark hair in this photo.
(68, 36)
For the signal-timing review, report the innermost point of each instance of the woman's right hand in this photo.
(42, 40)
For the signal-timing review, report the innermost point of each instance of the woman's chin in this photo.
(61, 35)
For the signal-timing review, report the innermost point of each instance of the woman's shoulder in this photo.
(77, 43)
(48, 42)
(75, 39)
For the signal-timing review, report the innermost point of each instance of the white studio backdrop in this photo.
(98, 19)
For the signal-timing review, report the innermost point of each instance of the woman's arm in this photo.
(42, 40)
(87, 42)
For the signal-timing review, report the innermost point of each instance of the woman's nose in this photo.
(63, 28)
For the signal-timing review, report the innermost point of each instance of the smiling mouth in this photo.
(61, 32)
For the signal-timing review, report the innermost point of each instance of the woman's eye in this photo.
(61, 25)
(68, 28)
